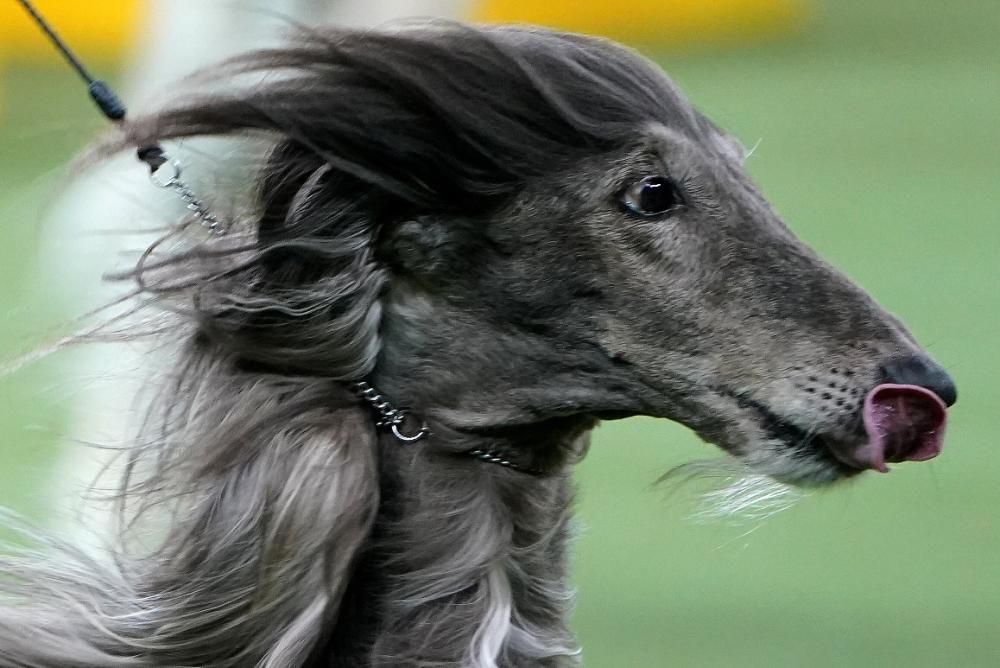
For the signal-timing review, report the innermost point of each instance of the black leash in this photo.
(164, 172)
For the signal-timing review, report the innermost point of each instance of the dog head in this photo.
(654, 278)
(507, 226)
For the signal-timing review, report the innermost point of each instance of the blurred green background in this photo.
(879, 141)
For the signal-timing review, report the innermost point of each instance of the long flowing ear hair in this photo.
(256, 464)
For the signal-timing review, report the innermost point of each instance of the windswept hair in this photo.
(440, 117)
(260, 465)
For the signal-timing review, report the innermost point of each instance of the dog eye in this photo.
(652, 196)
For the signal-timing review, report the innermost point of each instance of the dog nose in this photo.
(920, 371)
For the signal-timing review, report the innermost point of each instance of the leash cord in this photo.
(100, 92)
(114, 110)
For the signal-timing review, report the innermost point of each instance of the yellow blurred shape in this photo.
(103, 27)
(95, 28)
(662, 23)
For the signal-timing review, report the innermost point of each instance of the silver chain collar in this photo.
(389, 417)
(392, 419)
(497, 457)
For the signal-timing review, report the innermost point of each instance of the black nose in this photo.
(921, 371)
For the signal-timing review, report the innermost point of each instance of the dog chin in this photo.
(800, 467)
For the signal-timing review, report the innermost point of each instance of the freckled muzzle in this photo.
(902, 423)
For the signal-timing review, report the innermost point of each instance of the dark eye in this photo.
(652, 196)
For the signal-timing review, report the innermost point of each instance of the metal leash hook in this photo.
(389, 417)
(165, 173)
(114, 110)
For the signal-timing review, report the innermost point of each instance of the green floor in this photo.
(879, 132)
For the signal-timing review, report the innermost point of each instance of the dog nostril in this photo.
(923, 373)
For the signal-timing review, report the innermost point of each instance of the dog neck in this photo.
(474, 554)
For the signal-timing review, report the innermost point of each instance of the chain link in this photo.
(173, 182)
(497, 457)
(390, 418)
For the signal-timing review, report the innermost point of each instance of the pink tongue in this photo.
(904, 423)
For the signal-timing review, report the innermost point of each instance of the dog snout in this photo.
(922, 372)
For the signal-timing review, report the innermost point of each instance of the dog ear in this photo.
(420, 247)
